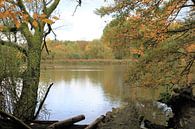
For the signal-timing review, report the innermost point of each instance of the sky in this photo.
(84, 25)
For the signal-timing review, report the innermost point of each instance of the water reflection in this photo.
(91, 90)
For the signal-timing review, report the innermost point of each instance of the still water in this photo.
(91, 90)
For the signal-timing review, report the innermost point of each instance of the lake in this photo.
(91, 90)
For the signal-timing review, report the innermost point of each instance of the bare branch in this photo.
(186, 70)
(79, 4)
(188, 6)
(44, 38)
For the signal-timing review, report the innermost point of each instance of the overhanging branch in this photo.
(192, 5)
(14, 45)
(51, 8)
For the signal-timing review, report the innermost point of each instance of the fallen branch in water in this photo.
(65, 123)
(94, 123)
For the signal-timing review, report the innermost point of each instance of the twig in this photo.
(42, 102)
(187, 68)
(79, 4)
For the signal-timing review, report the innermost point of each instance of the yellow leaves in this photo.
(48, 21)
(55, 18)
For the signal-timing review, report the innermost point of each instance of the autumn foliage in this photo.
(161, 32)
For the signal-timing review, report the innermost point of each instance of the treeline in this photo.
(77, 50)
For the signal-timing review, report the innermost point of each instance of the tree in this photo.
(115, 35)
(153, 18)
(24, 25)
(165, 39)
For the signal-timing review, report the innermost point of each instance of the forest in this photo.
(154, 38)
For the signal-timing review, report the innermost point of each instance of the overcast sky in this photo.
(84, 25)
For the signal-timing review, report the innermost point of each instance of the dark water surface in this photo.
(91, 90)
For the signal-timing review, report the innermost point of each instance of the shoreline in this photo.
(85, 61)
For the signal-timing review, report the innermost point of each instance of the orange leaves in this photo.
(17, 24)
(11, 11)
(146, 1)
(34, 23)
(137, 51)
(1, 27)
(35, 16)
(43, 18)
(191, 48)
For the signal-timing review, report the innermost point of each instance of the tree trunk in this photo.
(25, 107)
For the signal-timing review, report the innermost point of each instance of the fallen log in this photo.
(94, 123)
(17, 121)
(43, 121)
(67, 122)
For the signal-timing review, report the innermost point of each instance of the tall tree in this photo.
(24, 25)
(116, 36)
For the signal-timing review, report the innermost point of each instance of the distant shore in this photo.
(85, 61)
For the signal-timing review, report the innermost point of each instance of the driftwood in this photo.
(94, 123)
(42, 102)
(19, 123)
(67, 122)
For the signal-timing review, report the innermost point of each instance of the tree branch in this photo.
(23, 8)
(186, 70)
(188, 6)
(79, 4)
(14, 45)
(44, 38)
(184, 29)
(42, 102)
(51, 8)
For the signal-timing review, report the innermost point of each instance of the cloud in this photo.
(84, 25)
